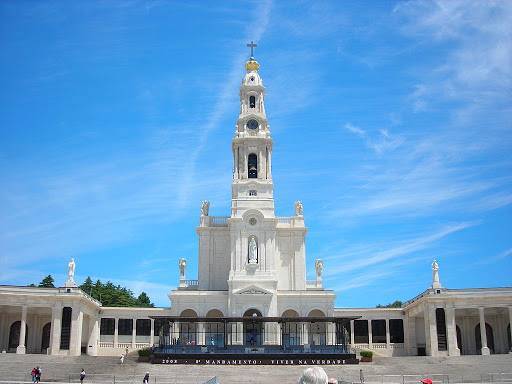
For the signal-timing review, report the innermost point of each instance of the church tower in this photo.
(252, 149)
(252, 262)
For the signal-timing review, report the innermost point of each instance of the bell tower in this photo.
(252, 186)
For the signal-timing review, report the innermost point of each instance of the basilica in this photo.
(251, 294)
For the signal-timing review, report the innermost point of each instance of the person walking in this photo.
(361, 376)
(38, 374)
(146, 378)
(33, 374)
(82, 376)
(121, 359)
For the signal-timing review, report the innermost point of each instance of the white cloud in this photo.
(382, 142)
(370, 255)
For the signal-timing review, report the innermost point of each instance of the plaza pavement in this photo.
(477, 369)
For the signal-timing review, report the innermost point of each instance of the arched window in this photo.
(252, 101)
(253, 166)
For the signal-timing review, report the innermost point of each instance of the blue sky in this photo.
(391, 122)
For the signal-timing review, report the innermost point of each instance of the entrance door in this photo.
(253, 329)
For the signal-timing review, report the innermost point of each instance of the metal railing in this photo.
(437, 378)
(133, 379)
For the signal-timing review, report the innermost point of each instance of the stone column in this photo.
(331, 334)
(305, 333)
(75, 342)
(451, 331)
(201, 337)
(510, 322)
(269, 164)
(352, 333)
(432, 331)
(134, 333)
(410, 335)
(55, 329)
(240, 333)
(152, 336)
(483, 333)
(116, 332)
(388, 336)
(3, 331)
(94, 336)
(370, 336)
(21, 349)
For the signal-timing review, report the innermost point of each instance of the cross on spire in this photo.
(252, 45)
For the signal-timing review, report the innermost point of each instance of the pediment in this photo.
(252, 290)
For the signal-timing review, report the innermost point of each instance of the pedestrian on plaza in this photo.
(33, 374)
(121, 359)
(146, 378)
(361, 376)
(82, 376)
(38, 374)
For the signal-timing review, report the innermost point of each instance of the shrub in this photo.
(144, 352)
(368, 354)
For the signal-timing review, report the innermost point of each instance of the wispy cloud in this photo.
(478, 67)
(223, 104)
(363, 257)
(384, 141)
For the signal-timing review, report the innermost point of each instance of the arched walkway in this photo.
(45, 337)
(214, 332)
(490, 338)
(291, 331)
(317, 331)
(253, 330)
(187, 331)
(14, 335)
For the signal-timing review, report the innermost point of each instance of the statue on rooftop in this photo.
(70, 282)
(319, 267)
(182, 264)
(205, 207)
(299, 208)
(435, 275)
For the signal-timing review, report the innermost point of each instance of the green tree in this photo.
(47, 282)
(394, 304)
(144, 301)
(87, 286)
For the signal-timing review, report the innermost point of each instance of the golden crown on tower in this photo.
(252, 65)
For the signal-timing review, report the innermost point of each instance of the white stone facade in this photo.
(253, 262)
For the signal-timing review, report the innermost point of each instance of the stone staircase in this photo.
(108, 370)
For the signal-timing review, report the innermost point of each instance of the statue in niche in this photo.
(319, 267)
(299, 208)
(205, 207)
(182, 264)
(253, 251)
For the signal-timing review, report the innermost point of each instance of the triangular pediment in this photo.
(252, 290)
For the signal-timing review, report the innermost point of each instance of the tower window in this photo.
(253, 166)
(253, 192)
(252, 101)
